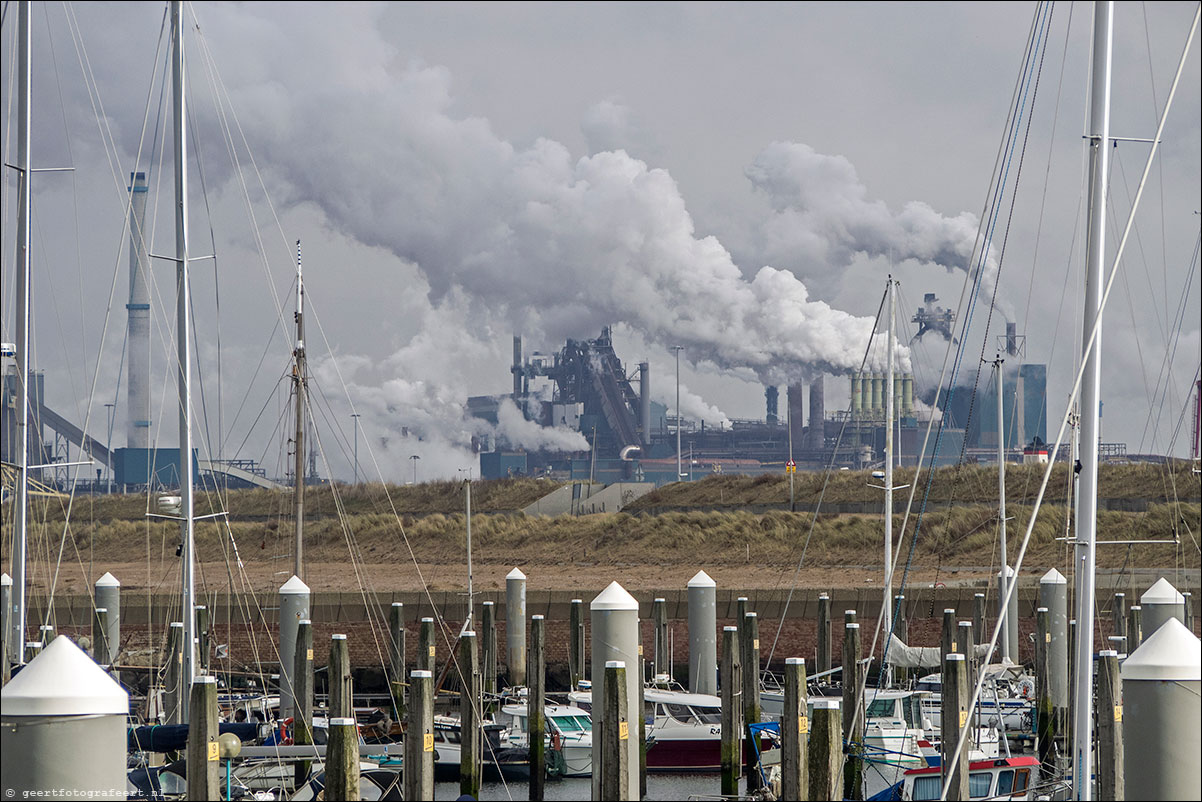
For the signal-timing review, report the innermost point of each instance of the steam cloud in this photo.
(521, 433)
(822, 219)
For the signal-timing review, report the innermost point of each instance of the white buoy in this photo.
(108, 596)
(1160, 603)
(63, 732)
(294, 608)
(515, 626)
(703, 634)
(615, 636)
(1162, 715)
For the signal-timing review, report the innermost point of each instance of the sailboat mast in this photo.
(1001, 494)
(299, 379)
(24, 279)
(184, 347)
(1087, 509)
(889, 401)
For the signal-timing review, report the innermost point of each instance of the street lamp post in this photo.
(355, 416)
(678, 349)
(108, 445)
(414, 458)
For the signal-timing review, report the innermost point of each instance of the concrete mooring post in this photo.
(703, 634)
(615, 637)
(732, 713)
(750, 649)
(826, 751)
(302, 684)
(659, 618)
(953, 719)
(1053, 595)
(342, 760)
(853, 710)
(1161, 602)
(515, 626)
(823, 657)
(536, 700)
(794, 732)
(204, 758)
(342, 689)
(425, 646)
(418, 769)
(470, 714)
(488, 645)
(1108, 712)
(294, 598)
(615, 735)
(576, 659)
(100, 646)
(108, 596)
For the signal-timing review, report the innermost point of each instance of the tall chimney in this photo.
(645, 401)
(796, 400)
(137, 376)
(516, 370)
(817, 433)
(1012, 339)
(771, 400)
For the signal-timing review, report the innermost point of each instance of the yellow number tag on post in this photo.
(428, 742)
(963, 718)
(623, 731)
(1118, 712)
(431, 651)
(640, 650)
(214, 751)
(803, 725)
(1047, 638)
(309, 654)
(755, 644)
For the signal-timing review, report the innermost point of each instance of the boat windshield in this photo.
(572, 723)
(708, 715)
(681, 713)
(881, 708)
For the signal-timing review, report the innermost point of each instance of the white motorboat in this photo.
(569, 732)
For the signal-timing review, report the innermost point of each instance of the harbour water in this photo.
(659, 787)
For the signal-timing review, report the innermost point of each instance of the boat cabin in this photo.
(1004, 778)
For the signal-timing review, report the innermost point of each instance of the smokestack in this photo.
(817, 413)
(771, 398)
(137, 376)
(857, 398)
(516, 370)
(795, 400)
(645, 401)
(1012, 339)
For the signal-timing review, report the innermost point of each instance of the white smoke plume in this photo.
(692, 406)
(822, 219)
(558, 247)
(521, 433)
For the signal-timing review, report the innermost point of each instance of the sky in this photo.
(738, 179)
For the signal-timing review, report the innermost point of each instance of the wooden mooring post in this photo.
(795, 733)
(659, 618)
(488, 645)
(826, 751)
(425, 646)
(396, 658)
(824, 633)
(203, 648)
(576, 662)
(536, 700)
(342, 759)
(173, 663)
(302, 687)
(338, 672)
(204, 759)
(615, 731)
(853, 709)
(731, 686)
(1045, 712)
(953, 719)
(470, 718)
(1108, 711)
(751, 696)
(100, 638)
(418, 768)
